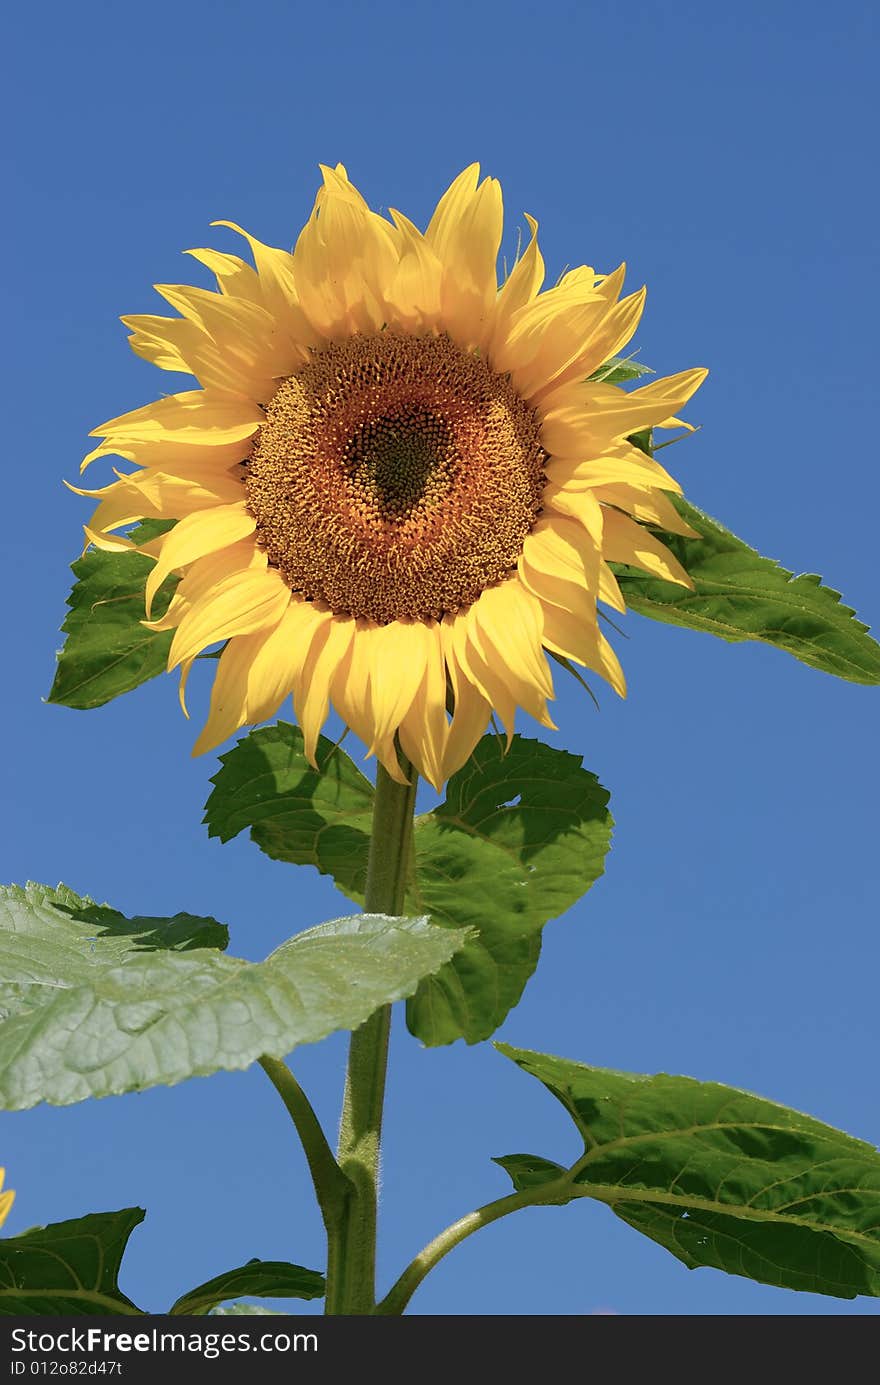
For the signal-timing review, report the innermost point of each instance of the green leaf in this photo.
(717, 1176)
(308, 817)
(619, 370)
(530, 1171)
(520, 837)
(108, 649)
(257, 1279)
(246, 1310)
(68, 1267)
(739, 595)
(51, 938)
(94, 1014)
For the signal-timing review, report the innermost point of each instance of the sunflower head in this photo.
(396, 488)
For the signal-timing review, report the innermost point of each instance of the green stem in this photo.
(351, 1265)
(332, 1188)
(400, 1294)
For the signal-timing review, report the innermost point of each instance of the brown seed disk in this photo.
(395, 476)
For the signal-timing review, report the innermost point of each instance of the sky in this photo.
(723, 152)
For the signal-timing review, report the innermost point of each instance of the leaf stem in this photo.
(351, 1265)
(400, 1294)
(332, 1188)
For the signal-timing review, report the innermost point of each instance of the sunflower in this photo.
(397, 488)
(6, 1199)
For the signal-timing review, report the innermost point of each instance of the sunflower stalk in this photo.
(351, 1262)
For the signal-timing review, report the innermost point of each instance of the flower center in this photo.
(395, 477)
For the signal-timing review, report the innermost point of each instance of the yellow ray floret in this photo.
(6, 1199)
(395, 487)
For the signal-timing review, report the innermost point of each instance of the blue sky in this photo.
(724, 152)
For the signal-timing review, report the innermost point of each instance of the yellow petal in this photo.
(560, 547)
(506, 623)
(350, 690)
(122, 504)
(471, 664)
(620, 462)
(554, 585)
(236, 605)
(602, 339)
(108, 543)
(176, 343)
(311, 693)
(627, 542)
(229, 709)
(465, 234)
(203, 574)
(413, 297)
(548, 334)
(344, 260)
(196, 536)
(173, 457)
(166, 342)
(399, 658)
(242, 331)
(233, 275)
(577, 418)
(647, 506)
(424, 729)
(577, 546)
(176, 496)
(280, 657)
(274, 270)
(195, 416)
(521, 285)
(584, 643)
(469, 719)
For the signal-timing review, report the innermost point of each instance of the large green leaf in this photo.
(256, 1279)
(295, 813)
(108, 649)
(68, 1267)
(719, 1177)
(53, 937)
(520, 837)
(738, 595)
(87, 1014)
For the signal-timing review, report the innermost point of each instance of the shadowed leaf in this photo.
(519, 838)
(719, 1177)
(108, 650)
(70, 1267)
(257, 1279)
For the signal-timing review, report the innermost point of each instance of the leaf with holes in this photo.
(70, 1267)
(719, 1177)
(108, 649)
(520, 837)
(256, 1279)
(90, 1013)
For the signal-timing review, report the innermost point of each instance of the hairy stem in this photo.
(400, 1294)
(332, 1188)
(351, 1267)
